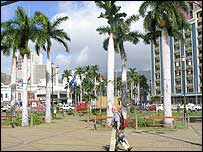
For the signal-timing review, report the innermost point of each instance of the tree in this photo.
(23, 29)
(123, 34)
(134, 79)
(9, 45)
(67, 74)
(113, 18)
(164, 19)
(80, 71)
(50, 30)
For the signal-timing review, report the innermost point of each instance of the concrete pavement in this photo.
(72, 133)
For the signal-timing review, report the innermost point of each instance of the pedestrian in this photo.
(117, 135)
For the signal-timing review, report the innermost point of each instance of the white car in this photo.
(160, 107)
(5, 108)
(67, 107)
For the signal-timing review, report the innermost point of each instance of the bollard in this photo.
(188, 119)
(136, 122)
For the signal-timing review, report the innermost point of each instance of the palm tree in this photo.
(24, 29)
(10, 44)
(50, 30)
(80, 71)
(164, 19)
(67, 74)
(113, 19)
(133, 79)
(123, 34)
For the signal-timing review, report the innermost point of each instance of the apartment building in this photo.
(186, 62)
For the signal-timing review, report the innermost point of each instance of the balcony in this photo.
(157, 64)
(178, 86)
(190, 84)
(178, 77)
(189, 75)
(188, 49)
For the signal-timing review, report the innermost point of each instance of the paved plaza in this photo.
(72, 133)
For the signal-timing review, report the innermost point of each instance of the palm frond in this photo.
(58, 21)
(103, 30)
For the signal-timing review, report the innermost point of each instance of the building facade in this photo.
(186, 62)
(36, 83)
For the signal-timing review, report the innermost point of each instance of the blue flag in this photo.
(73, 82)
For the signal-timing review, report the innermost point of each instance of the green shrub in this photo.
(132, 108)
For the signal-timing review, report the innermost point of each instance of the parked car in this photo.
(141, 108)
(160, 107)
(5, 108)
(81, 105)
(152, 108)
(39, 107)
(66, 107)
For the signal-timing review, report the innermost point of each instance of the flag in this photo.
(20, 82)
(100, 77)
(73, 82)
(28, 80)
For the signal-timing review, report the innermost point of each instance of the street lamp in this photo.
(183, 84)
(52, 91)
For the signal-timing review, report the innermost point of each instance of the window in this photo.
(178, 73)
(190, 89)
(189, 81)
(19, 96)
(189, 62)
(6, 95)
(178, 90)
(178, 82)
(177, 64)
(189, 54)
(199, 23)
(187, 36)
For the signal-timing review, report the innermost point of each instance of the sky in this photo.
(86, 43)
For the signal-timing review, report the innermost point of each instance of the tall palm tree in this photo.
(9, 45)
(80, 72)
(67, 74)
(113, 18)
(133, 79)
(24, 29)
(50, 30)
(123, 34)
(164, 19)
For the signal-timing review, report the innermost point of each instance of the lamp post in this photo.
(183, 84)
(52, 91)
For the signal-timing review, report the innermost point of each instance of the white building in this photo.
(37, 86)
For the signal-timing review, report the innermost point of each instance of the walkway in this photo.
(72, 133)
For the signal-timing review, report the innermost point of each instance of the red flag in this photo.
(100, 78)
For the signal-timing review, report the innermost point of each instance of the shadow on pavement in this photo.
(158, 134)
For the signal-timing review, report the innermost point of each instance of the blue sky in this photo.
(86, 43)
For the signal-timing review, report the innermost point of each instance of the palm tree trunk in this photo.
(25, 99)
(138, 91)
(124, 88)
(13, 85)
(131, 90)
(81, 92)
(48, 116)
(110, 77)
(166, 76)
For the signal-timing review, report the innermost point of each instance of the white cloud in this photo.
(86, 44)
(81, 27)
(63, 60)
(83, 56)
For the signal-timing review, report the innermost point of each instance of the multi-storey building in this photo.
(191, 51)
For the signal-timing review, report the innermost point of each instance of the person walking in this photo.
(117, 135)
